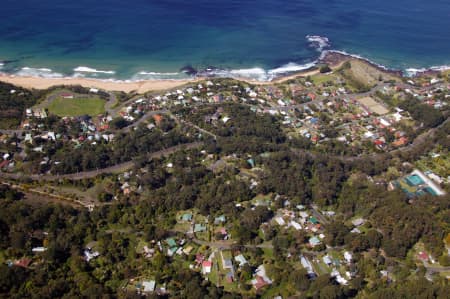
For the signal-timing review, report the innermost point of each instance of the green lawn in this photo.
(77, 106)
(321, 78)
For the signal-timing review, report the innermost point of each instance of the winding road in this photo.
(93, 173)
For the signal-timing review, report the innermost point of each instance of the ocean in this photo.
(154, 39)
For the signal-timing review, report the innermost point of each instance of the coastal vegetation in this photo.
(13, 102)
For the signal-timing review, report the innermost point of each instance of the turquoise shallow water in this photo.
(149, 39)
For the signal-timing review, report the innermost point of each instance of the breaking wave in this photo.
(318, 42)
(85, 69)
(411, 72)
(38, 72)
(143, 75)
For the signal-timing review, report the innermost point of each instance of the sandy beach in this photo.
(140, 87)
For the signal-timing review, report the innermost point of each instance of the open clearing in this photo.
(373, 105)
(77, 106)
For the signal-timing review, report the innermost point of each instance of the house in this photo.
(171, 242)
(261, 279)
(313, 220)
(51, 135)
(400, 142)
(423, 256)
(23, 262)
(251, 162)
(199, 258)
(28, 138)
(172, 246)
(312, 96)
(198, 228)
(358, 222)
(258, 282)
(158, 118)
(4, 164)
(149, 286)
(223, 232)
(226, 260)
(187, 217)
(219, 219)
(295, 225)
(38, 249)
(348, 257)
(206, 267)
(280, 221)
(355, 231)
(229, 277)
(149, 252)
(188, 250)
(339, 279)
(89, 254)
(327, 260)
(67, 95)
(314, 241)
(241, 260)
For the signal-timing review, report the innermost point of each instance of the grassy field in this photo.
(322, 78)
(77, 106)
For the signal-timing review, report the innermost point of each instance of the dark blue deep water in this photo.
(137, 39)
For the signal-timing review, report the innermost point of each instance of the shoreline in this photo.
(138, 86)
(335, 59)
(146, 85)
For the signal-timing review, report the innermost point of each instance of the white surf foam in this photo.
(158, 74)
(85, 69)
(260, 74)
(411, 72)
(318, 42)
(255, 73)
(292, 67)
(144, 75)
(38, 72)
(324, 53)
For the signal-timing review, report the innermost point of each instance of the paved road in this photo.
(431, 267)
(110, 103)
(198, 128)
(113, 169)
(127, 165)
(12, 132)
(318, 215)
